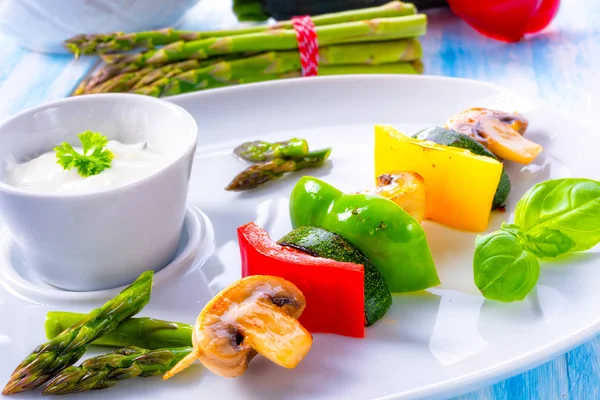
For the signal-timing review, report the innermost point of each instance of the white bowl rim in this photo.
(197, 249)
(190, 148)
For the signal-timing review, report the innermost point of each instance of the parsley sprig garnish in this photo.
(95, 158)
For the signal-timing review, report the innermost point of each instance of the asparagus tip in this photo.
(14, 386)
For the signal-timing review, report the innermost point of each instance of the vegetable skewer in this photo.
(121, 42)
(107, 370)
(67, 348)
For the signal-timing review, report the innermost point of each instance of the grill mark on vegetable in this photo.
(284, 301)
(382, 226)
(385, 179)
(239, 338)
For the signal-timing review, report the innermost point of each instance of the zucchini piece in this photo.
(448, 137)
(319, 242)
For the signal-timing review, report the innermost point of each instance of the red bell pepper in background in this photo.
(334, 291)
(506, 20)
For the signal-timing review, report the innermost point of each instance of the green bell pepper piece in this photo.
(384, 232)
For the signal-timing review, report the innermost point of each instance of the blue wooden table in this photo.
(560, 65)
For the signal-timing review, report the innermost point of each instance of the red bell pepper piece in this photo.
(334, 291)
(506, 20)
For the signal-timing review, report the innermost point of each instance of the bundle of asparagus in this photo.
(168, 62)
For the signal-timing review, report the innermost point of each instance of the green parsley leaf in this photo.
(95, 158)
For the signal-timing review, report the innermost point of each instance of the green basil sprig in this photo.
(553, 218)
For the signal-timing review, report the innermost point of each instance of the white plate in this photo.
(441, 343)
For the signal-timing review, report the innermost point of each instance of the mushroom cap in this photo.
(255, 313)
(476, 121)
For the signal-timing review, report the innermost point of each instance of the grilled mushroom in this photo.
(500, 132)
(407, 189)
(257, 314)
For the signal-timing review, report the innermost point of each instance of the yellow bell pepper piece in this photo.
(460, 185)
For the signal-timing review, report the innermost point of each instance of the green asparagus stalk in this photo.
(258, 174)
(282, 39)
(279, 63)
(67, 348)
(226, 71)
(371, 53)
(415, 67)
(167, 71)
(402, 68)
(121, 42)
(259, 151)
(121, 83)
(107, 370)
(172, 89)
(110, 71)
(263, 78)
(102, 75)
(143, 332)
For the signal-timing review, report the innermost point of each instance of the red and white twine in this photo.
(308, 45)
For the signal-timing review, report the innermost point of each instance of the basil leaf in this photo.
(503, 269)
(547, 242)
(570, 205)
(512, 228)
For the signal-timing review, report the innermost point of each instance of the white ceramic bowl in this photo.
(43, 25)
(105, 239)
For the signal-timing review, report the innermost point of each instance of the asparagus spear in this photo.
(107, 370)
(174, 88)
(143, 332)
(258, 174)
(226, 71)
(168, 71)
(259, 150)
(102, 75)
(120, 42)
(120, 83)
(409, 68)
(110, 71)
(415, 67)
(281, 39)
(371, 53)
(279, 63)
(68, 347)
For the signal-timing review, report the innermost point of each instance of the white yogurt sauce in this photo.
(131, 162)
